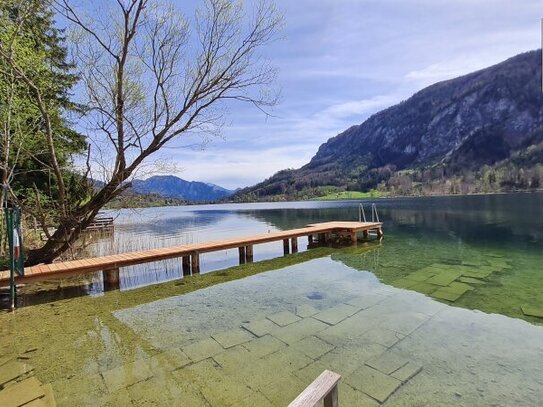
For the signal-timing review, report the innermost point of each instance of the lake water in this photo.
(438, 313)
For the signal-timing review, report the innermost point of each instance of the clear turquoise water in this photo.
(499, 231)
(253, 342)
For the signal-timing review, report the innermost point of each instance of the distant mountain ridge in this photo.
(170, 186)
(489, 118)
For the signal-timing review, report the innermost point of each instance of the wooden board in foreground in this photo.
(323, 387)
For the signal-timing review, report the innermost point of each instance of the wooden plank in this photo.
(36, 270)
(45, 268)
(86, 263)
(54, 266)
(79, 263)
(321, 387)
(116, 258)
(62, 265)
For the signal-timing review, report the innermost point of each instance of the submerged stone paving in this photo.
(237, 367)
(451, 281)
(233, 337)
(532, 311)
(203, 349)
(373, 383)
(336, 314)
(19, 387)
(392, 347)
(284, 318)
(305, 310)
(12, 370)
(127, 375)
(230, 367)
(261, 327)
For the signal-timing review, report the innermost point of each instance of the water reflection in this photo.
(511, 218)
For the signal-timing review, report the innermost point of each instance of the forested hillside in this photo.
(482, 132)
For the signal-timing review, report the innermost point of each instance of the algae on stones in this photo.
(500, 280)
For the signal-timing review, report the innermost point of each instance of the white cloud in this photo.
(360, 107)
(238, 168)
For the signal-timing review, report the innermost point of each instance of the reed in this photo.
(141, 274)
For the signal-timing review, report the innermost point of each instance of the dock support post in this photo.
(354, 238)
(294, 244)
(286, 248)
(186, 265)
(249, 253)
(242, 256)
(331, 399)
(195, 261)
(111, 278)
(366, 234)
(380, 233)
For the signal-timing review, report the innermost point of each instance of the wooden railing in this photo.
(324, 388)
(99, 224)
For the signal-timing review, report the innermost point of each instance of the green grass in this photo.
(350, 195)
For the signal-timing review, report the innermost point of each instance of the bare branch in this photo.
(153, 75)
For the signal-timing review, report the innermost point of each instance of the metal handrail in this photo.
(361, 213)
(374, 211)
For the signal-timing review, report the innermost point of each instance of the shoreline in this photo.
(539, 190)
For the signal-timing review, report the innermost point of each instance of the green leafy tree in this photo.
(37, 143)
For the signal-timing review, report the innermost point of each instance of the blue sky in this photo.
(342, 60)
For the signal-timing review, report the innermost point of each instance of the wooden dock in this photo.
(190, 253)
(101, 225)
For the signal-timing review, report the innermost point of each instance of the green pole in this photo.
(9, 227)
(15, 243)
(18, 240)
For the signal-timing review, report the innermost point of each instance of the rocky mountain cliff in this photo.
(489, 118)
(170, 186)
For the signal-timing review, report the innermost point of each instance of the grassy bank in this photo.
(346, 195)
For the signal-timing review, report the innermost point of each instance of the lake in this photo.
(440, 312)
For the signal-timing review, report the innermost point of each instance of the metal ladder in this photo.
(362, 213)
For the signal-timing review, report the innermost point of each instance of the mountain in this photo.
(169, 186)
(445, 138)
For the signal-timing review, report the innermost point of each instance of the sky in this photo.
(341, 61)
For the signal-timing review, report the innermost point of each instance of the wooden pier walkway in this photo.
(190, 253)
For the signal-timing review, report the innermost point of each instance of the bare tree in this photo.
(151, 76)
